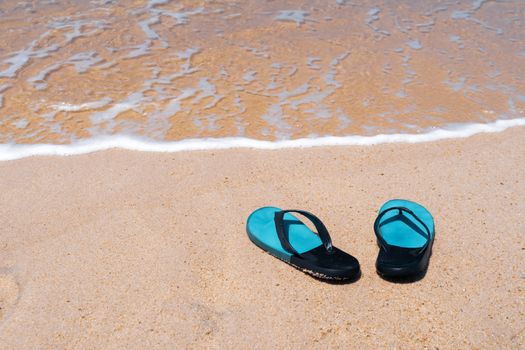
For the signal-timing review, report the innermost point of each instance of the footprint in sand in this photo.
(197, 319)
(9, 292)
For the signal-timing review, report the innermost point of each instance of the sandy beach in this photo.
(130, 249)
(121, 249)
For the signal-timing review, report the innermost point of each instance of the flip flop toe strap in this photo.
(384, 245)
(283, 237)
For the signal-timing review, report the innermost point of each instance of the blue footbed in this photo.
(406, 232)
(261, 229)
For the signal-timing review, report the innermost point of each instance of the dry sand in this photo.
(119, 249)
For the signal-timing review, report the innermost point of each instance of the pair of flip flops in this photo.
(404, 230)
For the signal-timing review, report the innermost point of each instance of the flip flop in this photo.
(405, 233)
(286, 237)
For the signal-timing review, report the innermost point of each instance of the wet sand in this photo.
(269, 70)
(122, 249)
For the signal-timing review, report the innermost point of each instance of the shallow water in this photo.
(267, 70)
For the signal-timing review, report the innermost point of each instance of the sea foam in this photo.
(17, 151)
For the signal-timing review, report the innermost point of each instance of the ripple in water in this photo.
(280, 70)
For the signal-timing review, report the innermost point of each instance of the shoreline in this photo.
(267, 70)
(130, 249)
(96, 144)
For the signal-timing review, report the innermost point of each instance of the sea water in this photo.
(160, 75)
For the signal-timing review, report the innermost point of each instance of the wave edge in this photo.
(134, 143)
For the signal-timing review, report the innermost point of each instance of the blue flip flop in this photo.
(405, 234)
(286, 237)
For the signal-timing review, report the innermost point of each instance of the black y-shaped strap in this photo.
(380, 238)
(319, 226)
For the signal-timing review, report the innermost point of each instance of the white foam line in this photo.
(17, 151)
